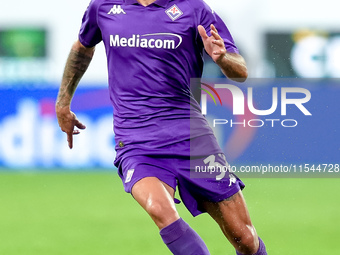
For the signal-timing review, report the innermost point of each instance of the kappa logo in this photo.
(232, 179)
(116, 9)
(174, 12)
(129, 175)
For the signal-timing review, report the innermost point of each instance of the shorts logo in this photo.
(129, 175)
(232, 179)
(174, 12)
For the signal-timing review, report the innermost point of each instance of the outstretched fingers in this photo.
(214, 32)
(70, 139)
(202, 32)
(218, 41)
(70, 131)
(78, 124)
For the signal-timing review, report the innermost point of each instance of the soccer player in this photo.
(154, 48)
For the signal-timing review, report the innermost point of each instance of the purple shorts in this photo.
(194, 183)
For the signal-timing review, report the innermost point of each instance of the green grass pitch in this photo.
(89, 213)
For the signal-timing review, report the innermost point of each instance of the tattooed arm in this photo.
(76, 65)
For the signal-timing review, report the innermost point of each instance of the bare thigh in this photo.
(157, 199)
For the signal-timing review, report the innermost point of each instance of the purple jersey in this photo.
(152, 52)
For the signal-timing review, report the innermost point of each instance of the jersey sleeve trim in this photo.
(90, 29)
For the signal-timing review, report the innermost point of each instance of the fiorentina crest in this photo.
(174, 12)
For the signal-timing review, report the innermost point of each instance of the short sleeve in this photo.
(207, 17)
(90, 34)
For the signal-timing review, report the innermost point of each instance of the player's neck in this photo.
(146, 2)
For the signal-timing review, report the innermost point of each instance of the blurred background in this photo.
(59, 201)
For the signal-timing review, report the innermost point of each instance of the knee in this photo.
(162, 213)
(247, 243)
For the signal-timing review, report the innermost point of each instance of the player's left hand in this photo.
(213, 45)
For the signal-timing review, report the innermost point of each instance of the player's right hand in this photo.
(67, 120)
